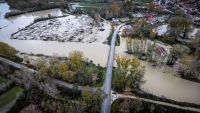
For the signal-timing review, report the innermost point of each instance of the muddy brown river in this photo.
(159, 81)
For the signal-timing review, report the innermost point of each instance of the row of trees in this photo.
(146, 50)
(75, 69)
(50, 98)
(127, 106)
(21, 4)
(128, 75)
(88, 102)
(117, 9)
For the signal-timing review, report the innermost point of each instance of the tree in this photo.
(63, 4)
(7, 50)
(135, 75)
(122, 63)
(152, 6)
(124, 106)
(129, 45)
(179, 25)
(196, 41)
(76, 60)
(177, 52)
(128, 6)
(189, 67)
(130, 106)
(53, 67)
(91, 100)
(128, 74)
(65, 73)
(116, 9)
(119, 79)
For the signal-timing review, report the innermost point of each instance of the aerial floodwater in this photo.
(92, 51)
(159, 81)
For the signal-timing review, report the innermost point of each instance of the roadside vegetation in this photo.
(46, 95)
(86, 102)
(137, 106)
(128, 75)
(9, 97)
(74, 69)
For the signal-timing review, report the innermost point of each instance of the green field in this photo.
(144, 1)
(9, 96)
(3, 80)
(90, 6)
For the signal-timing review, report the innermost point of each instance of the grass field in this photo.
(9, 96)
(89, 6)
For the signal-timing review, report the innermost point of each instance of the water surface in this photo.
(159, 81)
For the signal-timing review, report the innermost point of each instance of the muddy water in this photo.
(159, 81)
(96, 51)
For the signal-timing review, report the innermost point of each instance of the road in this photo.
(159, 102)
(106, 104)
(56, 81)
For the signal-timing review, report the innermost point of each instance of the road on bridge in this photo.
(106, 104)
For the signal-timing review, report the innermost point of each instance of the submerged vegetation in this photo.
(158, 32)
(74, 69)
(128, 75)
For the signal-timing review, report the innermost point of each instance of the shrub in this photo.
(7, 50)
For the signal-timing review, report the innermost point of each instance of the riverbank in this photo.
(19, 12)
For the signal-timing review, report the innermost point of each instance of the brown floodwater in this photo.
(159, 81)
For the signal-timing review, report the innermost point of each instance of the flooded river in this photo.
(159, 81)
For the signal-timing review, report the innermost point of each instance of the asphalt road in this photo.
(106, 104)
(56, 81)
(159, 102)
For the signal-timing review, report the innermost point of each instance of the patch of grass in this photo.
(145, 1)
(3, 80)
(9, 96)
(91, 6)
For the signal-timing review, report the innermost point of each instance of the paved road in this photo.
(106, 104)
(58, 82)
(71, 86)
(159, 102)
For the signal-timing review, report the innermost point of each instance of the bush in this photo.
(22, 4)
(7, 50)
(168, 39)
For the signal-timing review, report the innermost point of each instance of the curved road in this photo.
(159, 102)
(56, 81)
(106, 104)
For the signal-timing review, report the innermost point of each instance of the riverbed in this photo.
(159, 81)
